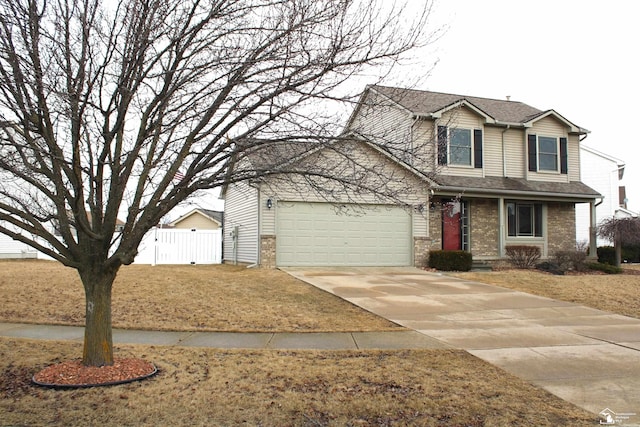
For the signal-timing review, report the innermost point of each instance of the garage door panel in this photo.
(315, 234)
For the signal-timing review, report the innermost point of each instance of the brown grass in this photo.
(204, 298)
(242, 387)
(617, 293)
(278, 388)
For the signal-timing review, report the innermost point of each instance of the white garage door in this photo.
(318, 234)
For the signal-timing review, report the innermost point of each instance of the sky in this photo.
(577, 57)
(580, 58)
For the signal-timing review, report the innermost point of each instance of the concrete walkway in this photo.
(401, 339)
(585, 356)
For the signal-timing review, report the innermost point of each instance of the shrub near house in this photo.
(450, 260)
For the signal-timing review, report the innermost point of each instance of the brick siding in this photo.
(268, 251)
(421, 247)
(484, 227)
(561, 227)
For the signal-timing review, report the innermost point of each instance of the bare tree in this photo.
(621, 231)
(128, 109)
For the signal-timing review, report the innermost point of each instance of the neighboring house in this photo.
(199, 219)
(487, 173)
(603, 173)
(10, 248)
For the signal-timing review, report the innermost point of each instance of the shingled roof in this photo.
(426, 103)
(510, 186)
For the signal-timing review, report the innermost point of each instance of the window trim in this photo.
(561, 154)
(537, 220)
(460, 130)
(556, 142)
(444, 147)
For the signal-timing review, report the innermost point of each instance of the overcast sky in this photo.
(578, 57)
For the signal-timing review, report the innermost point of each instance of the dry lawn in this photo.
(203, 298)
(264, 387)
(199, 387)
(617, 293)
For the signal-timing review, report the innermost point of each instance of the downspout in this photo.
(501, 228)
(593, 243)
(258, 255)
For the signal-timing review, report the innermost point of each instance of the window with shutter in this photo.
(477, 148)
(442, 145)
(460, 147)
(533, 153)
(564, 156)
(547, 153)
(524, 219)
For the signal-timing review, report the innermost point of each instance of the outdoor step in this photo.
(480, 265)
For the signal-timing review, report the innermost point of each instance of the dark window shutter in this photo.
(442, 145)
(477, 148)
(537, 220)
(533, 153)
(564, 156)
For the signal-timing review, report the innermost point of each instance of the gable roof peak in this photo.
(430, 104)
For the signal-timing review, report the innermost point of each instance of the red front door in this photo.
(451, 227)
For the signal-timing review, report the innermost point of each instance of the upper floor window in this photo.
(460, 147)
(546, 153)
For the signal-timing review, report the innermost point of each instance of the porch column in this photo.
(593, 243)
(501, 227)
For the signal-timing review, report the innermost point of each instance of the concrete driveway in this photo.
(585, 356)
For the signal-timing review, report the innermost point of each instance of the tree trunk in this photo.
(98, 337)
(618, 247)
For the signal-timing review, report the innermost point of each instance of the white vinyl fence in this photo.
(10, 248)
(171, 246)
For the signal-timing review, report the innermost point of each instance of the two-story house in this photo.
(486, 173)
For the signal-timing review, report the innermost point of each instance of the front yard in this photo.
(198, 386)
(617, 293)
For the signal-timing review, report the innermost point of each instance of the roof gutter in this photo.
(518, 193)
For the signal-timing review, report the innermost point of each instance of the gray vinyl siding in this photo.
(241, 210)
(515, 153)
(384, 123)
(404, 184)
(424, 145)
(574, 158)
(267, 216)
(492, 147)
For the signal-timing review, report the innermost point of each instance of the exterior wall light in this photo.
(269, 203)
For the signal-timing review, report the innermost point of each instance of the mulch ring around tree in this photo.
(73, 374)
